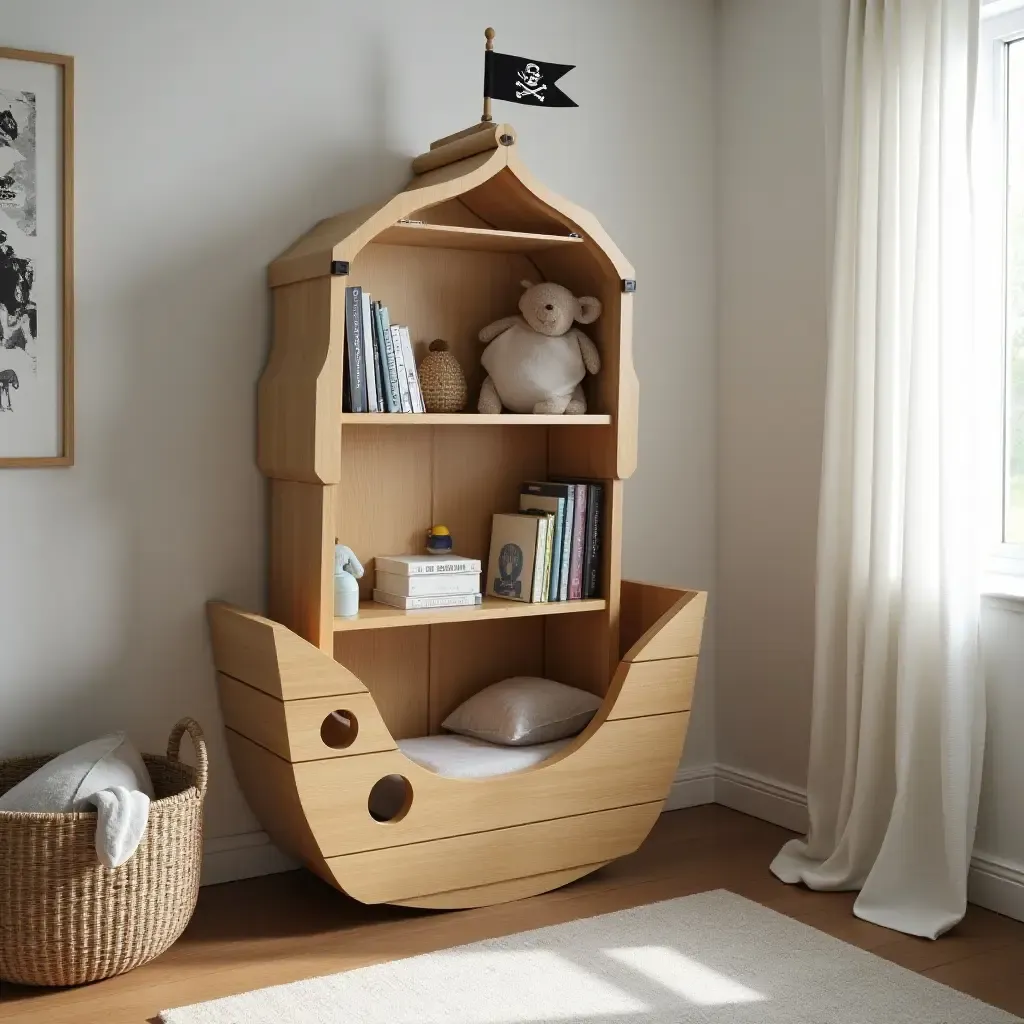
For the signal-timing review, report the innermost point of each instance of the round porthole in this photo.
(390, 798)
(339, 729)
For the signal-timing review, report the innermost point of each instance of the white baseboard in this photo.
(996, 884)
(230, 858)
(993, 883)
(692, 787)
(761, 797)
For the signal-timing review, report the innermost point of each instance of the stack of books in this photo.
(550, 550)
(380, 370)
(427, 581)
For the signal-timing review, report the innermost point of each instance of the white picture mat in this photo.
(35, 428)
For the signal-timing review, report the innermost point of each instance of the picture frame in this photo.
(37, 428)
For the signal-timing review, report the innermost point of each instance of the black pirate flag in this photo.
(522, 80)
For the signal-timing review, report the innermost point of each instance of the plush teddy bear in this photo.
(535, 362)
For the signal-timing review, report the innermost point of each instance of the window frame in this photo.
(1002, 26)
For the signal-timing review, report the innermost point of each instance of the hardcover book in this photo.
(393, 394)
(415, 394)
(515, 556)
(354, 372)
(369, 359)
(403, 372)
(578, 543)
(425, 565)
(409, 603)
(429, 585)
(380, 362)
(546, 550)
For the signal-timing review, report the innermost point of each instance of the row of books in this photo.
(550, 550)
(427, 581)
(380, 369)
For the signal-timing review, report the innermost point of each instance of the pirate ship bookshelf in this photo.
(376, 482)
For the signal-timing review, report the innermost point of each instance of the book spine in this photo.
(427, 568)
(537, 591)
(403, 376)
(579, 531)
(378, 351)
(592, 566)
(355, 378)
(449, 601)
(369, 361)
(565, 570)
(415, 394)
(394, 396)
(556, 551)
(429, 586)
(549, 551)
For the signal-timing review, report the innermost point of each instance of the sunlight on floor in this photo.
(519, 986)
(688, 978)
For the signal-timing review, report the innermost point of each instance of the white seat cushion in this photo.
(462, 757)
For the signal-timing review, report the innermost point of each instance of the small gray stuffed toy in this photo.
(535, 362)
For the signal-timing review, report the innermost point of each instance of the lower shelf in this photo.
(381, 616)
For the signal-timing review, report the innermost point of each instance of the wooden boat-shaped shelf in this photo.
(315, 706)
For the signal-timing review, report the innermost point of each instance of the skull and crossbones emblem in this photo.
(529, 82)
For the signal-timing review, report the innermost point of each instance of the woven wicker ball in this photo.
(442, 381)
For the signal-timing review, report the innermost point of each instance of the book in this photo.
(415, 394)
(373, 336)
(369, 360)
(592, 554)
(547, 551)
(403, 373)
(591, 561)
(539, 574)
(393, 394)
(354, 371)
(425, 565)
(410, 603)
(515, 555)
(428, 585)
(578, 541)
(557, 498)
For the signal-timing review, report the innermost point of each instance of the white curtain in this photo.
(898, 721)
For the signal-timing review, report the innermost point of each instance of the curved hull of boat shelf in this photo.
(457, 842)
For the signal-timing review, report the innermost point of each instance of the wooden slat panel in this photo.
(394, 664)
(660, 622)
(405, 872)
(466, 657)
(620, 763)
(501, 892)
(655, 688)
(268, 783)
(291, 729)
(265, 654)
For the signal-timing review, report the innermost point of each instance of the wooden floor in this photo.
(281, 928)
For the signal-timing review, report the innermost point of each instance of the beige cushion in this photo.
(522, 711)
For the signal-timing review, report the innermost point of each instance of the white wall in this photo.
(776, 114)
(209, 136)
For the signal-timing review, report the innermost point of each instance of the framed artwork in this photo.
(37, 380)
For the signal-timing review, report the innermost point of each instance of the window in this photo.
(1002, 253)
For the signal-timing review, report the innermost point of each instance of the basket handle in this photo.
(191, 726)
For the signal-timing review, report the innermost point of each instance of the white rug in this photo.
(714, 958)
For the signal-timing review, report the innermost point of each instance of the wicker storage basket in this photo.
(64, 918)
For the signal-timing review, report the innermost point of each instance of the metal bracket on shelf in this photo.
(339, 268)
(628, 284)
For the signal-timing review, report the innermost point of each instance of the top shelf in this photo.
(445, 236)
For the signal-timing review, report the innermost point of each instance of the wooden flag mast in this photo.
(489, 36)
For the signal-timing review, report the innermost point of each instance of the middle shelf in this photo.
(381, 616)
